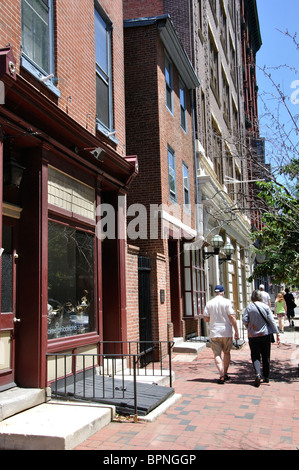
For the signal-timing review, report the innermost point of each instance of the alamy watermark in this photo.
(295, 93)
(2, 93)
(155, 222)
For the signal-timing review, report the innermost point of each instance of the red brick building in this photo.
(62, 153)
(159, 116)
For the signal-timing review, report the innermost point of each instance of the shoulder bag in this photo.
(272, 335)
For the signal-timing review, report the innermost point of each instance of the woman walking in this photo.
(280, 310)
(260, 325)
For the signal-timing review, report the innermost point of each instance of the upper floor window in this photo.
(168, 83)
(183, 106)
(186, 184)
(214, 73)
(225, 99)
(103, 72)
(171, 174)
(223, 28)
(38, 40)
(213, 5)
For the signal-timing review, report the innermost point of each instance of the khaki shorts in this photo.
(221, 344)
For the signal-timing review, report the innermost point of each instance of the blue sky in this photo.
(278, 50)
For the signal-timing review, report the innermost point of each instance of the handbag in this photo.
(272, 335)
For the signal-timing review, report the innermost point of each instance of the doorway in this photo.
(145, 311)
(8, 314)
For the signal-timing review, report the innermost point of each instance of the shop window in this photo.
(195, 297)
(70, 194)
(71, 260)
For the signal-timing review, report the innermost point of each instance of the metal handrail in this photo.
(64, 383)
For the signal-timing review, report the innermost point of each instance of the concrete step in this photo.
(191, 347)
(53, 426)
(33, 421)
(17, 399)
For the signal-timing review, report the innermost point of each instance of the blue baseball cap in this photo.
(219, 289)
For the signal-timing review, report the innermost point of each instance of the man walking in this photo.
(265, 295)
(220, 314)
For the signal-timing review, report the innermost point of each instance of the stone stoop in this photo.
(187, 347)
(16, 400)
(53, 426)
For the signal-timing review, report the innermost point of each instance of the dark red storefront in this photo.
(43, 233)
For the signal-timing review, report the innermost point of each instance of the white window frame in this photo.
(105, 75)
(183, 105)
(168, 83)
(172, 174)
(28, 62)
(186, 186)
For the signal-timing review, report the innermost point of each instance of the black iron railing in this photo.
(112, 374)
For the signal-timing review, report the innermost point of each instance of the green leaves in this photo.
(279, 237)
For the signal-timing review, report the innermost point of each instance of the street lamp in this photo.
(217, 242)
(228, 251)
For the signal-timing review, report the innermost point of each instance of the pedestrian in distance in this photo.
(220, 315)
(280, 310)
(291, 305)
(259, 321)
(265, 295)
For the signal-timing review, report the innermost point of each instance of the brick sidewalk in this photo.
(233, 416)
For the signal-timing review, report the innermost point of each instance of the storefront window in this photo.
(194, 283)
(70, 281)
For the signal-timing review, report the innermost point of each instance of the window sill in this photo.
(69, 342)
(104, 130)
(33, 70)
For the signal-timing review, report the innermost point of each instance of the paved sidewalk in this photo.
(209, 416)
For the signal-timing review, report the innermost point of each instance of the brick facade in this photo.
(151, 129)
(50, 123)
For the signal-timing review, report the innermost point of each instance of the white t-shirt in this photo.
(219, 309)
(266, 297)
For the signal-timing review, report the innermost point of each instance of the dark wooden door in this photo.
(8, 313)
(145, 313)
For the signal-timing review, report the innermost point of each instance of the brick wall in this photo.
(132, 293)
(142, 8)
(74, 50)
(151, 127)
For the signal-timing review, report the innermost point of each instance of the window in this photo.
(217, 152)
(223, 28)
(103, 73)
(200, 18)
(71, 274)
(171, 174)
(38, 40)
(232, 64)
(225, 99)
(183, 105)
(194, 276)
(186, 184)
(213, 5)
(168, 83)
(214, 78)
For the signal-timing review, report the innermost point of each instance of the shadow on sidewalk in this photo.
(284, 367)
